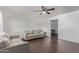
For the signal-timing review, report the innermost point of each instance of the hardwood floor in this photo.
(45, 45)
(52, 45)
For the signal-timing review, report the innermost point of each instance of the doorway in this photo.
(54, 27)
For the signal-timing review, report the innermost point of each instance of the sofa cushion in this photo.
(29, 32)
(37, 31)
(34, 34)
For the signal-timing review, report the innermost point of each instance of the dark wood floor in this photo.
(45, 45)
(52, 45)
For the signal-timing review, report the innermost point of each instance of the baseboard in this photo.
(69, 41)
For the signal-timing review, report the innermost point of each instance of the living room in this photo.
(16, 21)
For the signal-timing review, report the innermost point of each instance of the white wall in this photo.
(14, 22)
(1, 22)
(68, 26)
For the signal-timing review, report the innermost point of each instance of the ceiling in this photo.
(28, 11)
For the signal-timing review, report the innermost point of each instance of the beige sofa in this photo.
(32, 34)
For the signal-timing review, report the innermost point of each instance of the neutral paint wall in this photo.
(68, 26)
(1, 22)
(14, 22)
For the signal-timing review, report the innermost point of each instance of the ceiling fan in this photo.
(45, 10)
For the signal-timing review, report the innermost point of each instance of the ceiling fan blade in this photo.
(50, 9)
(48, 12)
(37, 11)
(43, 8)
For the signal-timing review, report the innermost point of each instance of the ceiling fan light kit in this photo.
(45, 10)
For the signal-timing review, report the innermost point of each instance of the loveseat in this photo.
(33, 34)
